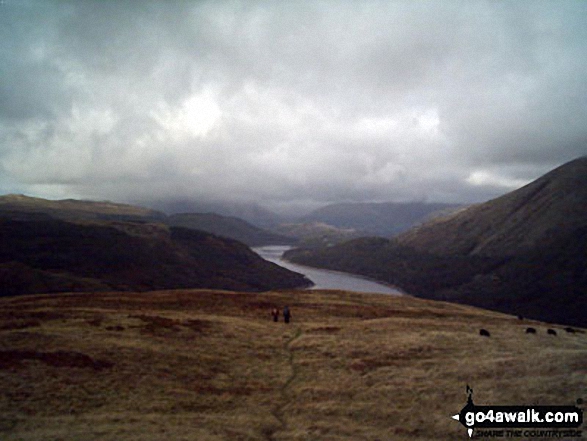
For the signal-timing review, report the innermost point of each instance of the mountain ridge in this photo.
(68, 209)
(31, 208)
(54, 255)
(549, 207)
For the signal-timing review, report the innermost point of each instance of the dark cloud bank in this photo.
(289, 102)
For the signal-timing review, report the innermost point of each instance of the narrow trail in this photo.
(284, 399)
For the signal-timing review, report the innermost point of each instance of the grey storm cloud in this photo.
(291, 101)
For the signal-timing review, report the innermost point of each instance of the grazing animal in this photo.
(551, 332)
(520, 317)
(484, 332)
(530, 331)
(570, 330)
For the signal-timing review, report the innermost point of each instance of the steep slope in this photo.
(230, 227)
(383, 219)
(55, 255)
(539, 214)
(523, 253)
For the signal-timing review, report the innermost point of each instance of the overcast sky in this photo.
(289, 101)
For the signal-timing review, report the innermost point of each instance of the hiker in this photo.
(286, 314)
(275, 314)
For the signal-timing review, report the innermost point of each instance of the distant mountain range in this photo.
(363, 218)
(377, 218)
(252, 213)
(57, 246)
(523, 253)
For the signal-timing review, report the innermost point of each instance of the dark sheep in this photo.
(570, 330)
(484, 332)
(551, 332)
(530, 331)
(520, 317)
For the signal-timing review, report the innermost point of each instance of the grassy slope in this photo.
(210, 365)
(538, 215)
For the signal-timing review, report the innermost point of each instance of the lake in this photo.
(324, 279)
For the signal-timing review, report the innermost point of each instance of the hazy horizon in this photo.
(289, 104)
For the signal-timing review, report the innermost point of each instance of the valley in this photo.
(325, 279)
(524, 253)
(293, 220)
(138, 325)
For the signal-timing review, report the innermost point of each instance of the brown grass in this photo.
(211, 365)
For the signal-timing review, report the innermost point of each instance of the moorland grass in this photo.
(212, 365)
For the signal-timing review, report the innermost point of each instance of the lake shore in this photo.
(327, 279)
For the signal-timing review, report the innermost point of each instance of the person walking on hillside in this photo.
(286, 314)
(275, 314)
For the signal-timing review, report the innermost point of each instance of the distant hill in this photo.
(69, 209)
(523, 253)
(228, 226)
(377, 218)
(31, 208)
(317, 234)
(250, 212)
(55, 256)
